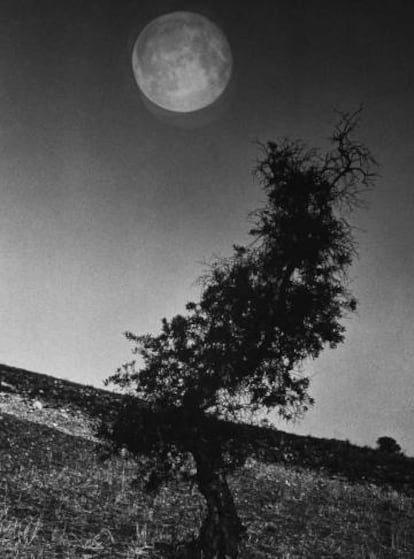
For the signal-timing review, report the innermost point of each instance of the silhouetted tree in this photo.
(274, 303)
(388, 445)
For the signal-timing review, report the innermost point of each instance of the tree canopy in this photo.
(273, 303)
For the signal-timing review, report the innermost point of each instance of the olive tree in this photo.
(263, 311)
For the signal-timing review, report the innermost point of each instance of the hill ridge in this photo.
(66, 405)
(58, 499)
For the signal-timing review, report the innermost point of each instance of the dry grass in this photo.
(58, 500)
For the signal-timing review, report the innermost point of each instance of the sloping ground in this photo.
(58, 500)
(333, 456)
(57, 392)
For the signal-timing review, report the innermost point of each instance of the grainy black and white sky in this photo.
(108, 210)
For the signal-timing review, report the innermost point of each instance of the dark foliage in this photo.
(262, 312)
(388, 445)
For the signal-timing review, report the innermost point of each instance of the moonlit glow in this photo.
(182, 62)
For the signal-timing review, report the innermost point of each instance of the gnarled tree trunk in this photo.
(222, 530)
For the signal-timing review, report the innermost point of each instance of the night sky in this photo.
(109, 210)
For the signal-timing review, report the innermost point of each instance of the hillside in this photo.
(300, 497)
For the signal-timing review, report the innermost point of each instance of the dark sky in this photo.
(108, 209)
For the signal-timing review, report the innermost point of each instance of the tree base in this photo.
(197, 549)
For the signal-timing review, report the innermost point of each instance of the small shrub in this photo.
(388, 445)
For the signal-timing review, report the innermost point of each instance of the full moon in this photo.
(182, 62)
